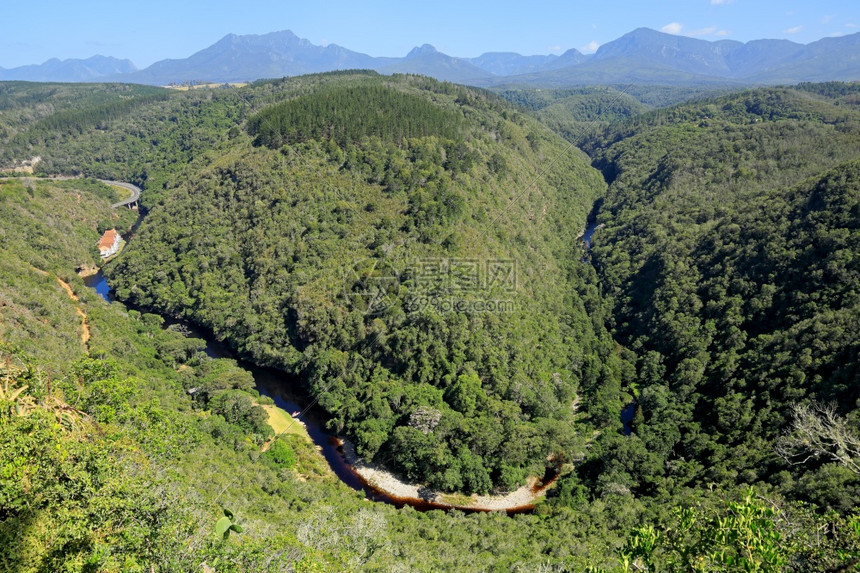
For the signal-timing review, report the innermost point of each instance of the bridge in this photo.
(132, 201)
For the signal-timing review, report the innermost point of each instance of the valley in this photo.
(676, 279)
(373, 481)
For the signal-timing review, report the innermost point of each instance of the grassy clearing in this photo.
(282, 423)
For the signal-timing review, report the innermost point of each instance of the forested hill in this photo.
(732, 230)
(409, 247)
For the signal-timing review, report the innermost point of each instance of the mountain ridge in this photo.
(69, 70)
(640, 56)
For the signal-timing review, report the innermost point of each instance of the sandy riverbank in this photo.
(85, 271)
(388, 483)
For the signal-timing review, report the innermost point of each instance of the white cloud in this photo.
(677, 29)
(672, 28)
(836, 35)
(590, 47)
(826, 19)
(851, 25)
(554, 49)
(793, 30)
(702, 32)
(720, 2)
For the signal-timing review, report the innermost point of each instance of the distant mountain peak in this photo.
(424, 50)
(281, 38)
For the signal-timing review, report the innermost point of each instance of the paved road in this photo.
(135, 192)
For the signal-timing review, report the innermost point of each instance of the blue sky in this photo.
(148, 31)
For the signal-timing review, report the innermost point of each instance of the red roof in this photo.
(107, 240)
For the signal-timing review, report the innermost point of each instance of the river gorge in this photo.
(377, 483)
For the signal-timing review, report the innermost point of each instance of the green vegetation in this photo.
(24, 104)
(729, 252)
(580, 115)
(577, 113)
(108, 463)
(748, 534)
(346, 114)
(140, 134)
(48, 229)
(285, 278)
(722, 300)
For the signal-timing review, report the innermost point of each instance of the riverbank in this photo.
(522, 499)
(340, 458)
(85, 271)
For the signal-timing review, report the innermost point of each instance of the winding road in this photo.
(135, 192)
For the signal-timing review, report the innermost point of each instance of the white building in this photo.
(110, 243)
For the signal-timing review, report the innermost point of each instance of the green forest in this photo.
(734, 235)
(292, 276)
(410, 250)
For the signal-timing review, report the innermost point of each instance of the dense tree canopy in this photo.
(421, 272)
(346, 114)
(365, 254)
(730, 253)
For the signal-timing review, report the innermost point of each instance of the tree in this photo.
(466, 393)
(818, 431)
(745, 535)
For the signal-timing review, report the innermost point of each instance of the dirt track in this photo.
(85, 326)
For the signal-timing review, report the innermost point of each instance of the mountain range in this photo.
(642, 56)
(54, 70)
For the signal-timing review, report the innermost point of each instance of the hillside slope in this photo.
(729, 251)
(727, 269)
(418, 267)
(109, 463)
